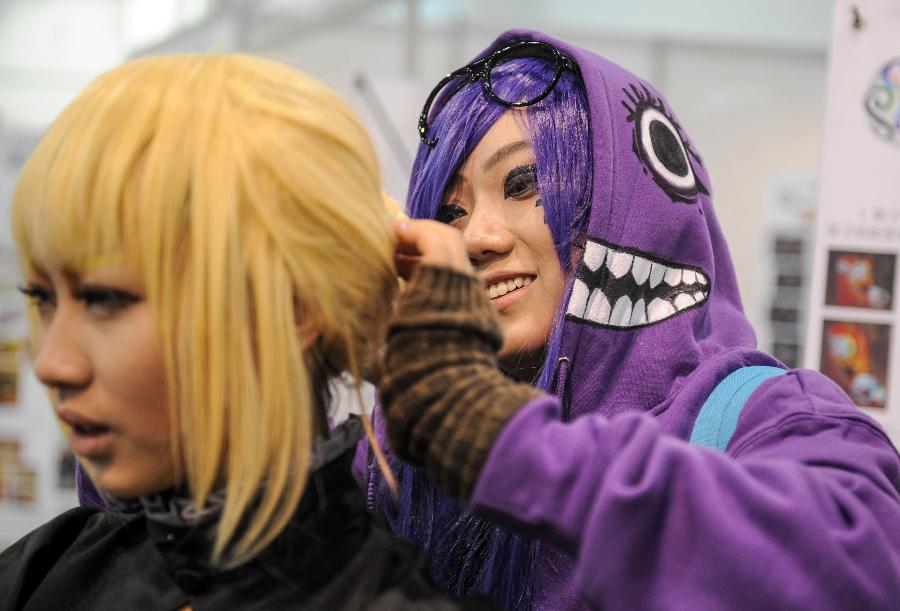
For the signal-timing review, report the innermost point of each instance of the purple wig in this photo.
(558, 126)
(467, 554)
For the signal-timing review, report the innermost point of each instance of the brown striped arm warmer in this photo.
(442, 392)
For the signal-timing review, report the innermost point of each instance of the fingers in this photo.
(406, 264)
(429, 243)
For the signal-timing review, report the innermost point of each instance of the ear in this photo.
(307, 333)
(308, 324)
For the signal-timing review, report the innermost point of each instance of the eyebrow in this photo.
(504, 151)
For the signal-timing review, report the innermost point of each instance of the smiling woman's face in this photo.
(494, 201)
(99, 353)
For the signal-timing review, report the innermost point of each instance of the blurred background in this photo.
(747, 78)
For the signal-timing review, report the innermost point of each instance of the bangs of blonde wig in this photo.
(243, 192)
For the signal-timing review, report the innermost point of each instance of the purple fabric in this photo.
(87, 492)
(467, 554)
(803, 512)
(630, 210)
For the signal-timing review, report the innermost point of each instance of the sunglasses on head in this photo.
(483, 70)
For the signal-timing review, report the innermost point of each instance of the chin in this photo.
(115, 483)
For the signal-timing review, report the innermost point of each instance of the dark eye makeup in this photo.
(106, 298)
(96, 297)
(38, 295)
(448, 213)
(520, 182)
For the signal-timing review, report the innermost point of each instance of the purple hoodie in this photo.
(802, 511)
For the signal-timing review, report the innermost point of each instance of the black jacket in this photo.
(332, 555)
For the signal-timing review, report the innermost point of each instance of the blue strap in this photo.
(718, 417)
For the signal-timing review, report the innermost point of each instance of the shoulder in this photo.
(57, 534)
(803, 415)
(800, 398)
(26, 563)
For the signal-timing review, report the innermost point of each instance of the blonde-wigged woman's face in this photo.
(99, 353)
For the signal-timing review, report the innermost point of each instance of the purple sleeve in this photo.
(804, 512)
(361, 462)
(365, 468)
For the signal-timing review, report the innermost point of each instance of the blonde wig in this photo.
(247, 196)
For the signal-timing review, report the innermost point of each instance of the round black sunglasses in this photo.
(482, 70)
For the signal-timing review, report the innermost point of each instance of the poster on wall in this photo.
(853, 311)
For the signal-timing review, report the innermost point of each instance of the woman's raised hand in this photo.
(430, 243)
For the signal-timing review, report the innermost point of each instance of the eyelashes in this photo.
(38, 295)
(98, 299)
(448, 213)
(106, 298)
(520, 182)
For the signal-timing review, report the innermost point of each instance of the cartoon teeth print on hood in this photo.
(654, 295)
(624, 289)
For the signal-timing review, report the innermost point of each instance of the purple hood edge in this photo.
(630, 209)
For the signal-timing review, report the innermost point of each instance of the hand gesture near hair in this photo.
(442, 392)
(429, 243)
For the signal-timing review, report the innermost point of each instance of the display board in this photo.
(853, 332)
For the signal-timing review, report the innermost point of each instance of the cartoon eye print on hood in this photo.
(658, 143)
(623, 288)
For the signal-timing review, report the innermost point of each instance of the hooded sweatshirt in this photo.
(802, 509)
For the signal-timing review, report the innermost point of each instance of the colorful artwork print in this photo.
(860, 280)
(882, 101)
(855, 355)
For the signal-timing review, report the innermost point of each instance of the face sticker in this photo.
(658, 144)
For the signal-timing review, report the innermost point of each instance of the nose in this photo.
(487, 236)
(61, 363)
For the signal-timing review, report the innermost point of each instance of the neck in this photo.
(523, 366)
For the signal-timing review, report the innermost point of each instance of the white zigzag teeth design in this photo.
(593, 305)
(594, 254)
(638, 314)
(621, 314)
(578, 300)
(659, 309)
(618, 263)
(597, 308)
(683, 300)
(640, 270)
(673, 276)
(657, 271)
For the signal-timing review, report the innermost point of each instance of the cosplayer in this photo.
(653, 455)
(178, 227)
